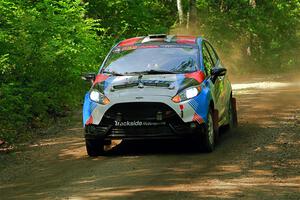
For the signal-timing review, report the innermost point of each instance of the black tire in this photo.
(210, 132)
(94, 147)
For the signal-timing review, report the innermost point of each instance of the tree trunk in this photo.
(193, 11)
(188, 16)
(180, 11)
(252, 3)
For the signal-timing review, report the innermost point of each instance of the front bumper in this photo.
(193, 110)
(141, 120)
(168, 131)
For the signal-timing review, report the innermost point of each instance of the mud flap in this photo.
(235, 119)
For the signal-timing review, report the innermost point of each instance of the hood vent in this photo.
(126, 85)
(166, 84)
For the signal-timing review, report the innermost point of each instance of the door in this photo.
(219, 88)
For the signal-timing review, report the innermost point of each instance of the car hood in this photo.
(147, 85)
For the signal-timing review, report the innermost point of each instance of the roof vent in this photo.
(156, 37)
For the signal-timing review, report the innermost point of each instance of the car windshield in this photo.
(151, 60)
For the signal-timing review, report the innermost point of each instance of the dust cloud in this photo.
(238, 58)
(233, 54)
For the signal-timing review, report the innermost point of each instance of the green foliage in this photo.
(47, 44)
(44, 47)
(128, 18)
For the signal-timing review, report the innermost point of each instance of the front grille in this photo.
(141, 131)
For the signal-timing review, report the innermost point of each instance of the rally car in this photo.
(158, 87)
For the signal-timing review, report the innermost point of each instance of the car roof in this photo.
(161, 38)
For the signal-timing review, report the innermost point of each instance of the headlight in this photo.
(98, 97)
(187, 94)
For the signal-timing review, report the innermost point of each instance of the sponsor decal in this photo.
(138, 123)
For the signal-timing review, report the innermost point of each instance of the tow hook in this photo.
(181, 110)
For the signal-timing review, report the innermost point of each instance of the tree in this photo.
(44, 47)
(129, 18)
(180, 11)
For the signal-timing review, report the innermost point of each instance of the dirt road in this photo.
(259, 160)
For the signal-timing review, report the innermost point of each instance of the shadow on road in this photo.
(259, 160)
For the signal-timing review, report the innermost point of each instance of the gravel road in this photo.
(258, 160)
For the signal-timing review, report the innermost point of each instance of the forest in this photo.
(47, 44)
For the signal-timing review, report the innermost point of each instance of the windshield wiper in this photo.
(113, 73)
(184, 65)
(154, 72)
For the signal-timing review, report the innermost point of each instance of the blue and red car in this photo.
(158, 87)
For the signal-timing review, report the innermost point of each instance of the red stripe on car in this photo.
(89, 121)
(197, 118)
(130, 41)
(198, 76)
(186, 40)
(100, 78)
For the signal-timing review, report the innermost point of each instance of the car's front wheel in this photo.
(94, 147)
(210, 132)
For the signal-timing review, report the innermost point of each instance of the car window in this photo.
(212, 53)
(208, 64)
(132, 59)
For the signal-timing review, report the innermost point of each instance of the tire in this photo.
(232, 113)
(210, 132)
(94, 147)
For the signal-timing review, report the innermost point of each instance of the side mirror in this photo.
(217, 71)
(89, 76)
